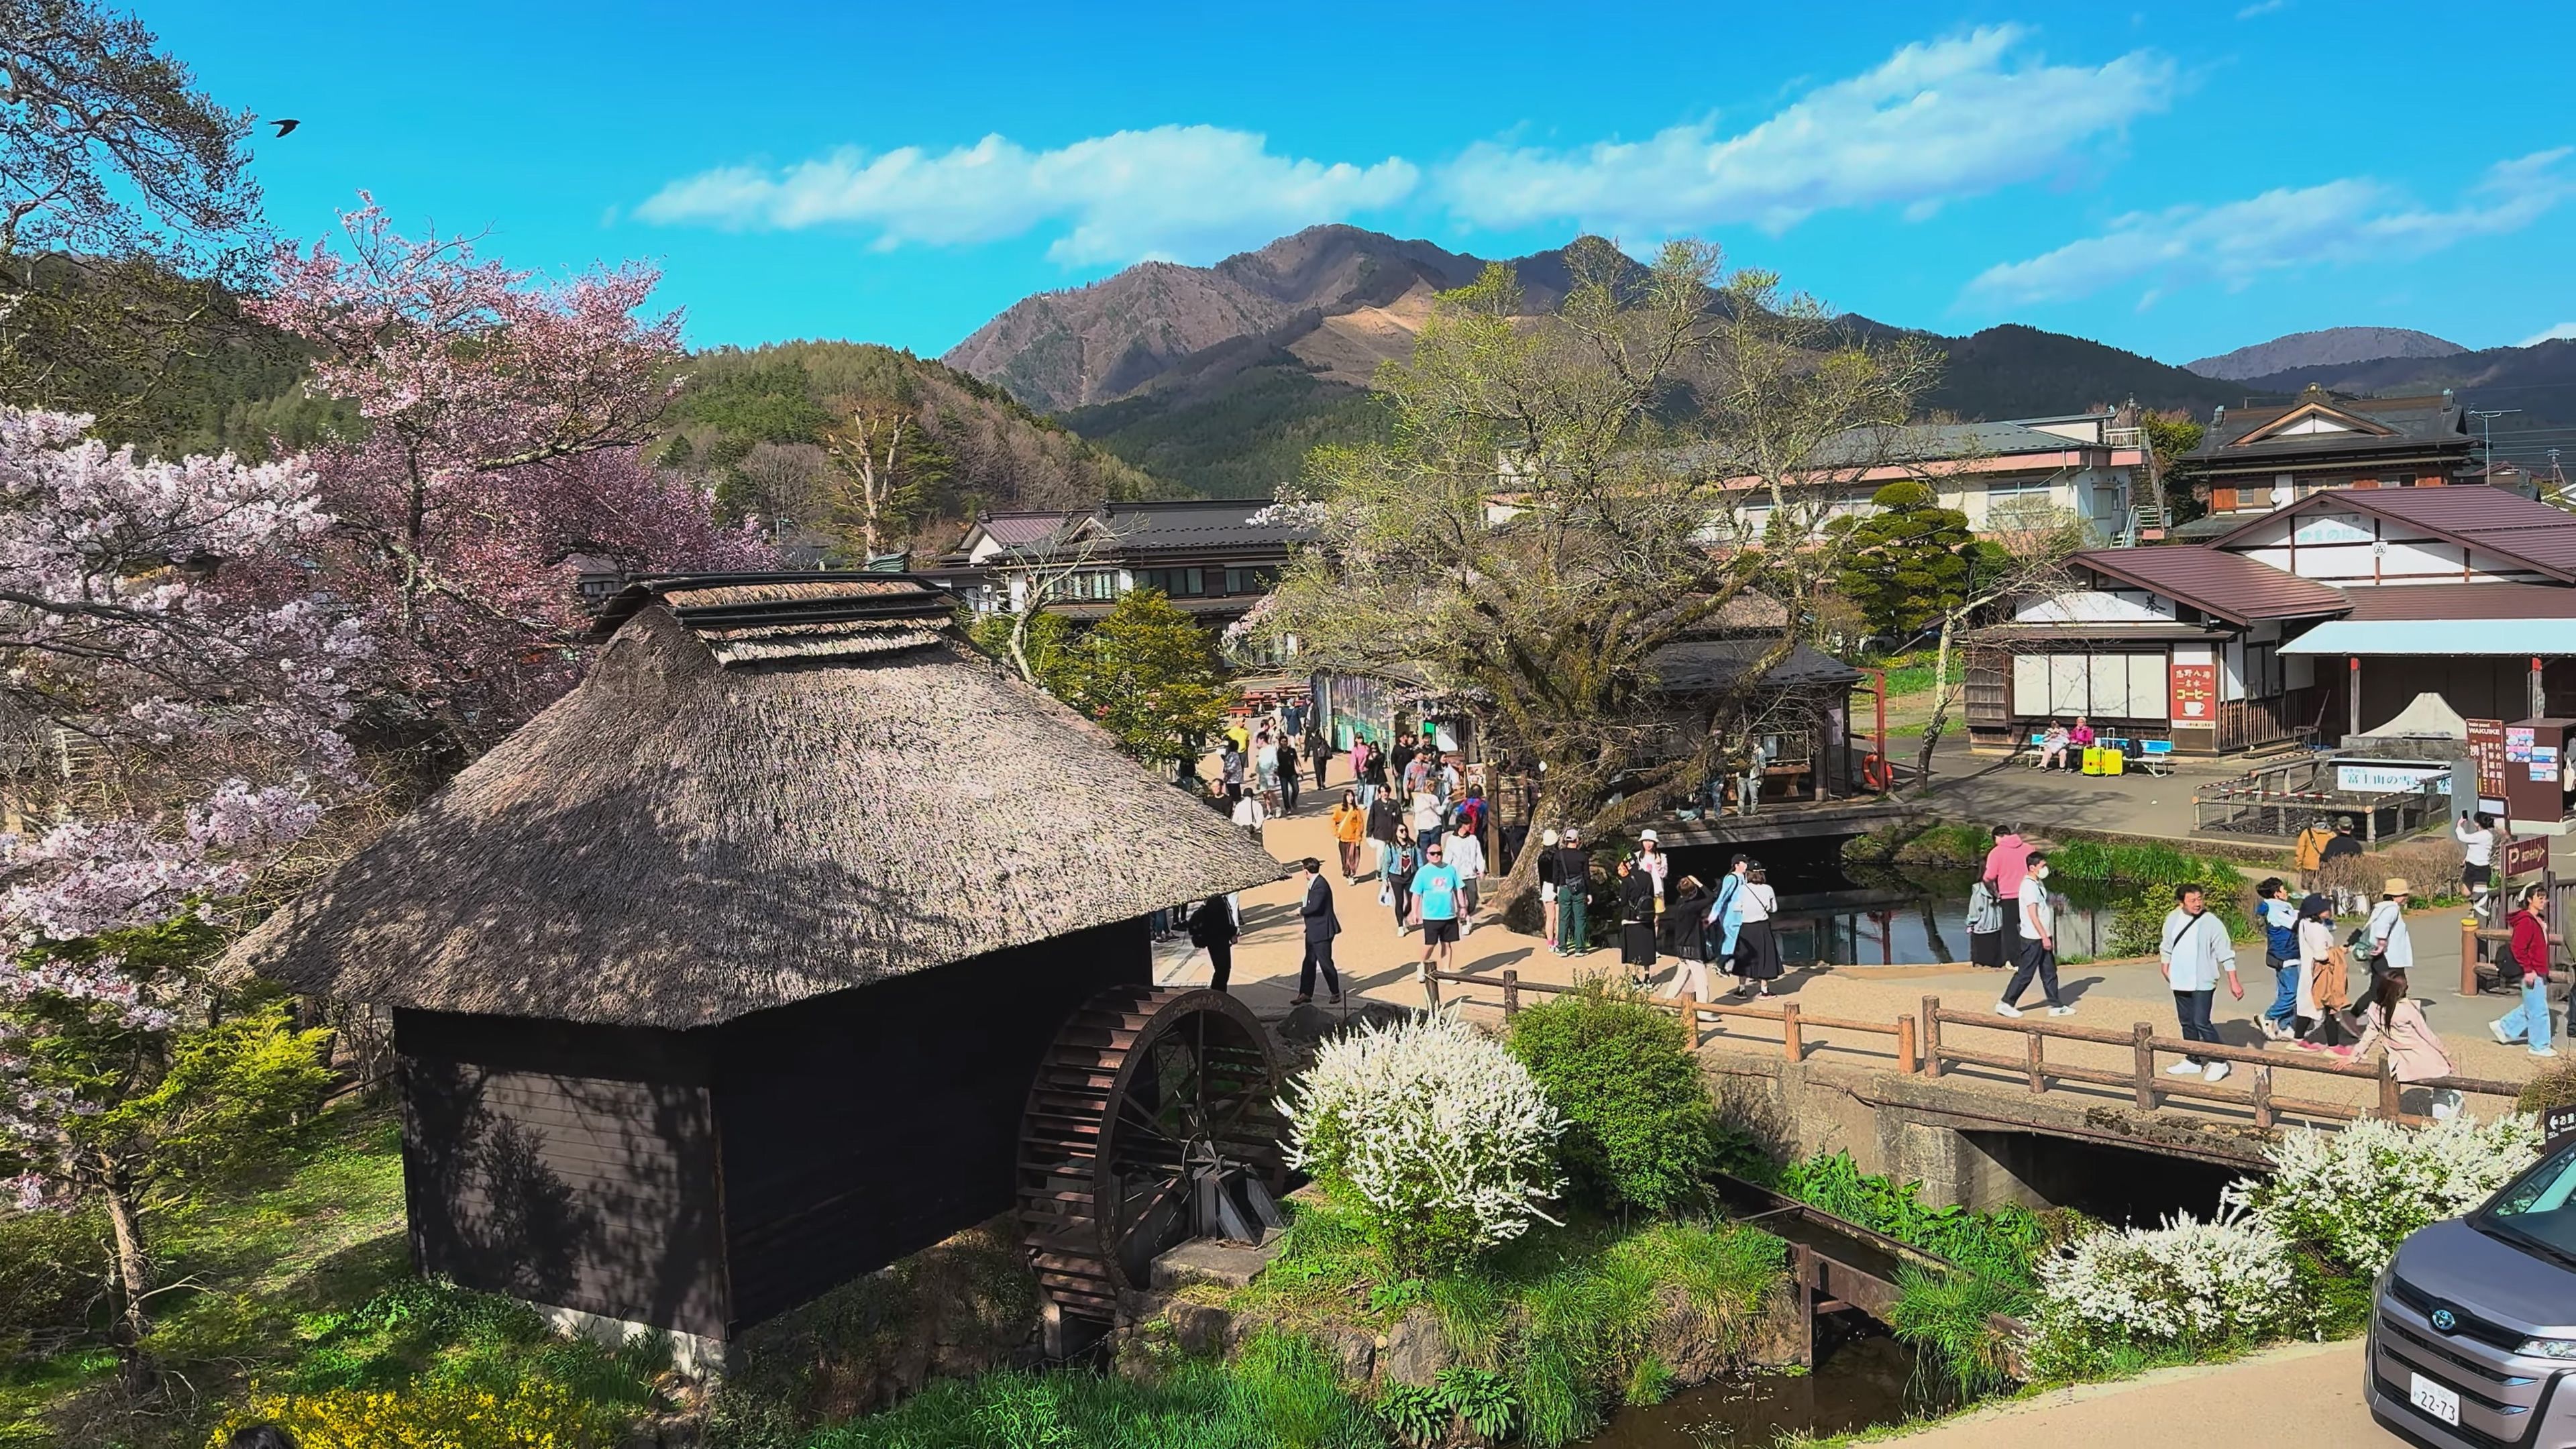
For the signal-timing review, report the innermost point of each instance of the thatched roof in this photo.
(768, 788)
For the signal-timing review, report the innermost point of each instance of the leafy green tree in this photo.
(2173, 436)
(1045, 638)
(127, 214)
(134, 1089)
(1911, 561)
(1149, 674)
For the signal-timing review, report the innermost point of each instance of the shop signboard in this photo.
(2486, 746)
(2528, 855)
(2380, 777)
(2195, 694)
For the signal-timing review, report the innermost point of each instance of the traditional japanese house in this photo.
(726, 978)
(2318, 620)
(1214, 558)
(2267, 455)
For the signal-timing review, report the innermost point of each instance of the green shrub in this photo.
(2004, 1244)
(1414, 1413)
(2141, 863)
(1964, 846)
(1481, 1397)
(1640, 1121)
(53, 1270)
(1949, 1317)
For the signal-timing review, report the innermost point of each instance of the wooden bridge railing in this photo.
(1930, 1056)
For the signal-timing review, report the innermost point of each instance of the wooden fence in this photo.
(1920, 1049)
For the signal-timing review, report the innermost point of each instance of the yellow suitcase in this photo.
(2114, 760)
(2092, 759)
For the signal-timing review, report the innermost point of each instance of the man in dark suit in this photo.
(1322, 925)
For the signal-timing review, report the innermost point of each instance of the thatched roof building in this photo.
(768, 788)
(726, 978)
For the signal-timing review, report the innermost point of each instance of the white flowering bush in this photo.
(2356, 1193)
(1443, 1136)
(2135, 1291)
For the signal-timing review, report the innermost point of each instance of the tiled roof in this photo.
(2522, 529)
(2413, 423)
(1695, 665)
(1016, 530)
(2374, 602)
(1200, 523)
(1173, 525)
(2228, 585)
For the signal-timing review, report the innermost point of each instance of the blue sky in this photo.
(2177, 179)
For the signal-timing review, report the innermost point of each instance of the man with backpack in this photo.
(1213, 929)
(2280, 918)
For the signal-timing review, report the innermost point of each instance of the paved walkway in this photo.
(1994, 788)
(2308, 1394)
(1379, 963)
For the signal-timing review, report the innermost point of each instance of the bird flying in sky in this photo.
(285, 126)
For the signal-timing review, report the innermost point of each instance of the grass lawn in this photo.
(324, 1233)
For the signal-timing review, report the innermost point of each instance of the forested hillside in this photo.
(1241, 440)
(780, 430)
(2014, 371)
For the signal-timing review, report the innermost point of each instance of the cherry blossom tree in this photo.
(174, 678)
(503, 424)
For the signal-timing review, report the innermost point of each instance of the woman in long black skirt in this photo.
(1637, 937)
(1757, 951)
(1686, 923)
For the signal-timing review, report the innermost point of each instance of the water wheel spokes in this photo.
(1153, 1115)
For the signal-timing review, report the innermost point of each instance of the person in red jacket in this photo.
(2529, 1022)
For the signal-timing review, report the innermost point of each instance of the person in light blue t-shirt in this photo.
(2280, 916)
(1437, 890)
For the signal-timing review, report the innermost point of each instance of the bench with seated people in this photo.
(2080, 749)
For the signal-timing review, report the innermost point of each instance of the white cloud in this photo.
(1937, 121)
(1171, 191)
(2262, 7)
(2352, 220)
(2560, 333)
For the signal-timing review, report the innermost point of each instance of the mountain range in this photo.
(2334, 346)
(1219, 379)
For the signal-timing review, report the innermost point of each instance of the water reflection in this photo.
(1870, 1379)
(1917, 918)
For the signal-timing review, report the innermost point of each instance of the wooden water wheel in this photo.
(1154, 1120)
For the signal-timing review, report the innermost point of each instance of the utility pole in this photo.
(2487, 421)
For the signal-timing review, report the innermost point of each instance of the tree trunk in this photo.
(133, 1282)
(1940, 708)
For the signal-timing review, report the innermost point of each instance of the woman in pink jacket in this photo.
(2394, 1020)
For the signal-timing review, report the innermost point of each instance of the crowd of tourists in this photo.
(2340, 966)
(1415, 820)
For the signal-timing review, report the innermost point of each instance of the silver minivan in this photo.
(2473, 1327)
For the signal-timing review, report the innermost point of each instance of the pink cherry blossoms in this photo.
(502, 454)
(164, 637)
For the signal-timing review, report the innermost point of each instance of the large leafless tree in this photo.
(1564, 495)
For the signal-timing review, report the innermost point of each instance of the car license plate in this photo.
(2435, 1399)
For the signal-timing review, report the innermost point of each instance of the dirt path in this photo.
(1377, 962)
(2308, 1394)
